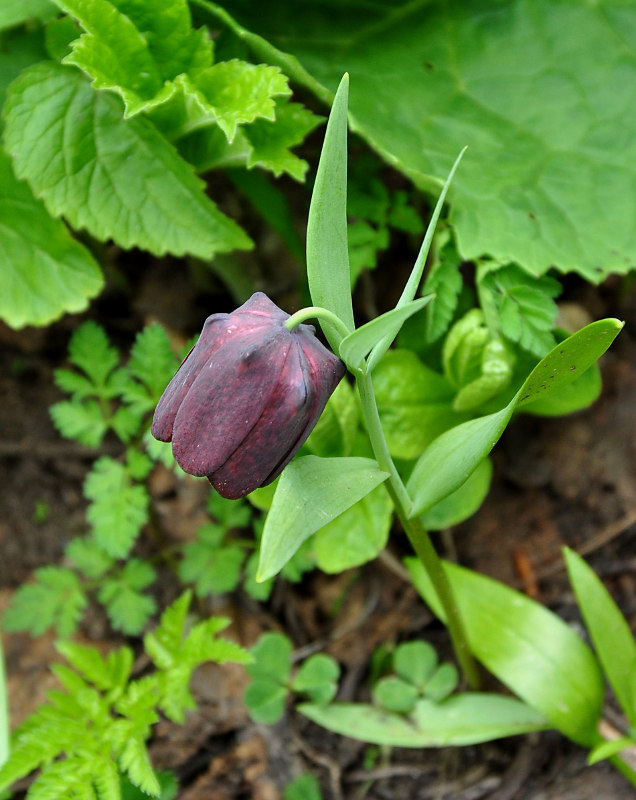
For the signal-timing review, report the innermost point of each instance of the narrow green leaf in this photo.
(44, 271)
(356, 346)
(117, 178)
(568, 360)
(609, 748)
(466, 718)
(418, 268)
(327, 251)
(310, 493)
(611, 635)
(530, 649)
(451, 458)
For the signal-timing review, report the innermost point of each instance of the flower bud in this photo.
(246, 397)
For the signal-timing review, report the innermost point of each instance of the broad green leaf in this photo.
(272, 658)
(463, 502)
(14, 12)
(45, 272)
(357, 345)
(327, 251)
(611, 636)
(414, 401)
(265, 701)
(137, 49)
(336, 429)
(395, 694)
(311, 492)
(466, 718)
(451, 458)
(118, 179)
(415, 662)
(357, 535)
(537, 91)
(530, 649)
(262, 144)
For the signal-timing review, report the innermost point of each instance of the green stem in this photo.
(4, 712)
(417, 535)
(317, 312)
(623, 768)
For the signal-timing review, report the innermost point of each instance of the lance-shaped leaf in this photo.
(355, 346)
(311, 492)
(118, 179)
(466, 718)
(327, 250)
(530, 649)
(453, 456)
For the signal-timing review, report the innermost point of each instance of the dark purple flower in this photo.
(246, 397)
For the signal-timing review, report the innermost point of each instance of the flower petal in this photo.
(227, 398)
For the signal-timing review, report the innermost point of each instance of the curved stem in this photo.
(317, 312)
(417, 534)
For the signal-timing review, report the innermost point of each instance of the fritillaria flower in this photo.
(246, 397)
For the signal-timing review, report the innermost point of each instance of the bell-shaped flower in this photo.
(246, 397)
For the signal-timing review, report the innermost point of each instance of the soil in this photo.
(567, 481)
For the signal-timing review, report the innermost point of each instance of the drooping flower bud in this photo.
(246, 397)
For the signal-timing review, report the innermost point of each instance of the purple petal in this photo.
(276, 433)
(227, 398)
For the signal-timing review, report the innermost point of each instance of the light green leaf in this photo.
(444, 281)
(311, 492)
(336, 429)
(86, 555)
(611, 636)
(609, 748)
(228, 94)
(357, 345)
(577, 395)
(305, 787)
(272, 658)
(530, 649)
(152, 360)
(45, 272)
(318, 678)
(118, 179)
(14, 12)
(520, 305)
(137, 49)
(466, 718)
(90, 350)
(537, 91)
(128, 609)
(118, 507)
(265, 701)
(395, 694)
(415, 662)
(414, 403)
(357, 535)
(262, 144)
(451, 458)
(463, 502)
(55, 598)
(327, 251)
(81, 420)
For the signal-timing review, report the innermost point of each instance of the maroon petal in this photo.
(324, 371)
(227, 398)
(259, 305)
(213, 335)
(276, 433)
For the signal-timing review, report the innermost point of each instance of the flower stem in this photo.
(317, 312)
(417, 535)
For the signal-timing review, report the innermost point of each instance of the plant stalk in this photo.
(417, 534)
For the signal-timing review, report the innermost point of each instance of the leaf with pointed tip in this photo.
(327, 250)
(311, 492)
(453, 456)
